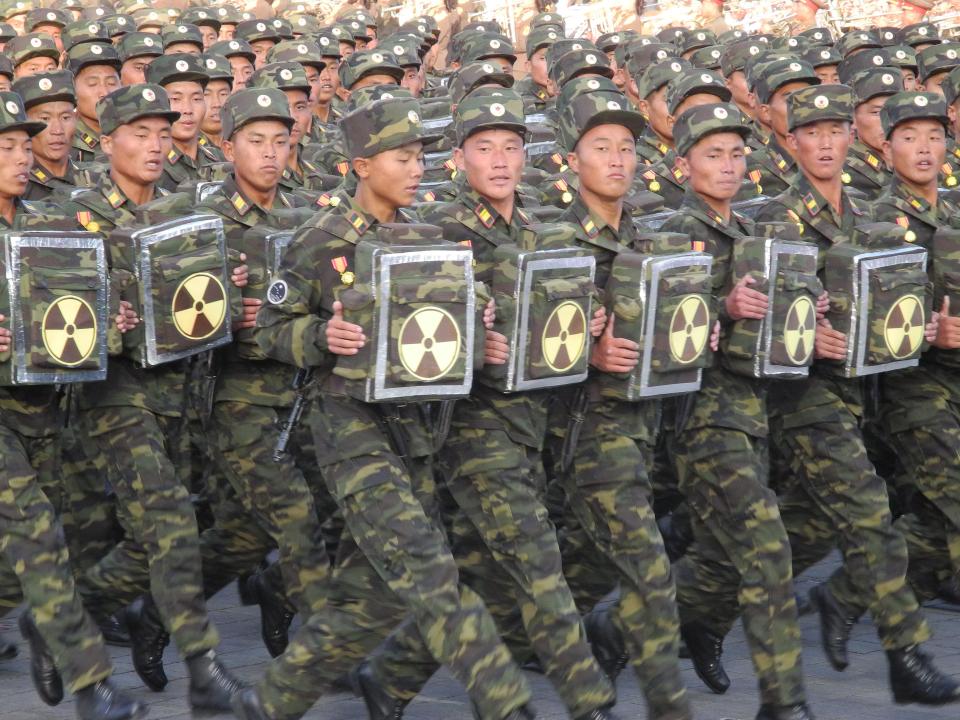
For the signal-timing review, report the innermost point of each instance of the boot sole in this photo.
(31, 635)
(817, 603)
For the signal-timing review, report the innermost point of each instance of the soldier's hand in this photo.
(241, 273)
(830, 344)
(127, 319)
(343, 338)
(744, 303)
(613, 354)
(948, 331)
(823, 305)
(715, 337)
(6, 337)
(496, 349)
(490, 314)
(248, 316)
(598, 322)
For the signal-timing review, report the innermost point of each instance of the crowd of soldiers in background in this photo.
(576, 531)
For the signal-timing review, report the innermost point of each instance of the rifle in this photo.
(300, 382)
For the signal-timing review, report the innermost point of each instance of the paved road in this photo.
(858, 694)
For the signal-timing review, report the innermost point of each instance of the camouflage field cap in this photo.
(361, 16)
(698, 122)
(281, 75)
(888, 35)
(132, 102)
(250, 104)
(707, 58)
(303, 51)
(15, 8)
(502, 109)
(546, 18)
(23, 47)
(635, 44)
(327, 43)
(876, 82)
(637, 58)
(588, 110)
(580, 62)
(951, 86)
(795, 45)
(487, 45)
(853, 65)
(202, 16)
(369, 62)
(139, 44)
(228, 15)
(820, 102)
(695, 40)
(857, 40)
(283, 28)
(148, 18)
(821, 56)
(734, 57)
(903, 56)
(182, 33)
(921, 33)
(405, 49)
(692, 81)
(233, 48)
(217, 67)
(671, 34)
(729, 37)
(181, 67)
(609, 41)
(906, 106)
(253, 30)
(817, 36)
(584, 84)
(383, 125)
(778, 73)
(83, 31)
(55, 86)
(341, 33)
(6, 66)
(482, 26)
(564, 45)
(304, 24)
(366, 95)
(473, 75)
(659, 74)
(46, 16)
(119, 25)
(92, 53)
(7, 32)
(937, 58)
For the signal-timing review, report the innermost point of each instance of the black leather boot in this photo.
(705, 650)
(606, 642)
(8, 650)
(835, 626)
(523, 713)
(211, 684)
(914, 679)
(275, 615)
(43, 670)
(102, 701)
(785, 712)
(246, 705)
(148, 640)
(114, 632)
(380, 704)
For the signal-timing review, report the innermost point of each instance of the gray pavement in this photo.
(860, 693)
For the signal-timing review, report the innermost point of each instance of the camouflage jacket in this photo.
(330, 158)
(866, 171)
(257, 382)
(950, 171)
(315, 272)
(533, 94)
(771, 169)
(86, 143)
(44, 184)
(179, 167)
(666, 179)
(300, 179)
(725, 399)
(650, 148)
(322, 131)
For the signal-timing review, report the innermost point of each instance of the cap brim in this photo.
(288, 121)
(942, 119)
(171, 115)
(31, 127)
(518, 128)
(63, 96)
(742, 130)
(632, 121)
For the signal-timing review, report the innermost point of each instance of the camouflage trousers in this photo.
(740, 556)
(835, 497)
(161, 550)
(276, 495)
(921, 420)
(393, 561)
(35, 555)
(608, 491)
(498, 487)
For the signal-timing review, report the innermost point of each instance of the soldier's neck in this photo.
(504, 207)
(293, 160)
(8, 208)
(374, 204)
(189, 148)
(57, 168)
(262, 198)
(608, 210)
(322, 111)
(928, 192)
(720, 207)
(91, 123)
(137, 193)
(832, 191)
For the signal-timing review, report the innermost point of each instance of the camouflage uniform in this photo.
(86, 140)
(740, 553)
(865, 170)
(398, 560)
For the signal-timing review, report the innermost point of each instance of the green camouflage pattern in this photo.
(383, 125)
(857, 40)
(91, 53)
(487, 45)
(813, 104)
(84, 31)
(369, 62)
(281, 75)
(906, 106)
(139, 44)
(303, 51)
(543, 37)
(479, 112)
(46, 87)
(580, 62)
(46, 16)
(698, 122)
(778, 73)
(233, 48)
(182, 32)
(708, 57)
(659, 74)
(250, 104)
(24, 47)
(853, 65)
(476, 74)
(692, 81)
(132, 102)
(217, 67)
(938, 58)
(180, 67)
(253, 30)
(598, 107)
(875, 82)
(821, 56)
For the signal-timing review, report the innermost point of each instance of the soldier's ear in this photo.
(361, 166)
(642, 105)
(227, 147)
(764, 113)
(683, 164)
(888, 153)
(573, 162)
(952, 114)
(458, 158)
(792, 142)
(106, 144)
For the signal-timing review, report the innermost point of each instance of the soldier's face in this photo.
(313, 78)
(828, 74)
(716, 166)
(53, 31)
(504, 63)
(493, 162)
(654, 106)
(774, 115)
(299, 103)
(94, 83)
(134, 70)
(242, 70)
(909, 79)
(181, 48)
(935, 83)
(393, 176)
(259, 152)
(137, 150)
(5, 83)
(329, 81)
(347, 49)
(737, 84)
(215, 95)
(605, 160)
(34, 66)
(690, 102)
(227, 31)
(866, 121)
(53, 144)
(373, 80)
(16, 160)
(916, 151)
(209, 36)
(412, 80)
(260, 49)
(186, 98)
(821, 148)
(537, 67)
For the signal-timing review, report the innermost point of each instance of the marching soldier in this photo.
(136, 51)
(95, 67)
(241, 57)
(215, 94)
(395, 545)
(866, 169)
(655, 142)
(535, 87)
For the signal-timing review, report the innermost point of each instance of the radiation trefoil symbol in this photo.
(69, 330)
(689, 329)
(799, 330)
(564, 337)
(903, 328)
(199, 306)
(429, 343)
